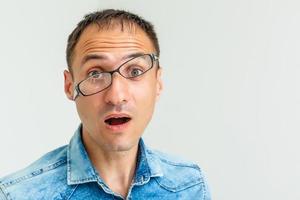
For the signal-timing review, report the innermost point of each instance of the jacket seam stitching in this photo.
(35, 173)
(203, 182)
(174, 163)
(204, 190)
(199, 180)
(2, 192)
(5, 194)
(176, 189)
(72, 192)
(194, 166)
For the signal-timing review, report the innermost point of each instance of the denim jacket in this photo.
(67, 173)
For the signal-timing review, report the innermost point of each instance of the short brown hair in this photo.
(104, 19)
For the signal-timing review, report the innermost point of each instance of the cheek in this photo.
(87, 109)
(82, 110)
(145, 96)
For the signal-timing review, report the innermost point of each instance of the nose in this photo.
(118, 92)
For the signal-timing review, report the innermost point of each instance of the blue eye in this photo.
(94, 74)
(135, 72)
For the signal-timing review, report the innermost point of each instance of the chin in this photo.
(122, 145)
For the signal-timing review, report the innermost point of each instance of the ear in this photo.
(159, 83)
(68, 86)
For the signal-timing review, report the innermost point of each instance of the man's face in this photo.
(133, 99)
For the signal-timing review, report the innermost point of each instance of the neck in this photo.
(116, 168)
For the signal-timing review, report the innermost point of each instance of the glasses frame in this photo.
(78, 92)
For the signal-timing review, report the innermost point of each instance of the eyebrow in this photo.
(92, 57)
(104, 57)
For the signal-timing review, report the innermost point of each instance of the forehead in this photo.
(113, 42)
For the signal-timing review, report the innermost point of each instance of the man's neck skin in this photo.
(117, 169)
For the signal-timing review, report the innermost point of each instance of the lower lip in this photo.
(115, 128)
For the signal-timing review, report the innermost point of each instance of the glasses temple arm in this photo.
(76, 93)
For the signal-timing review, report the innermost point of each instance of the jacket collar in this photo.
(81, 170)
(79, 166)
(148, 165)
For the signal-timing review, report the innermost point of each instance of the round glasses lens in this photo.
(136, 66)
(95, 83)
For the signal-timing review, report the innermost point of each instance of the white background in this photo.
(231, 99)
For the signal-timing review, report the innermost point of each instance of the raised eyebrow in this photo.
(103, 57)
(92, 57)
(132, 55)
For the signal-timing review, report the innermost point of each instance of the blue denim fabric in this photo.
(67, 173)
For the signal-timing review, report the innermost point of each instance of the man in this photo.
(114, 78)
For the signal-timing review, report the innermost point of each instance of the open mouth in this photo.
(117, 120)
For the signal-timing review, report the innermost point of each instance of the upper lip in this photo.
(116, 115)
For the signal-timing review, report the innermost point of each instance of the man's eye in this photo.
(94, 74)
(136, 72)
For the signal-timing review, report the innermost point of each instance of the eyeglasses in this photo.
(98, 81)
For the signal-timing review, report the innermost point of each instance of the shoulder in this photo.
(179, 174)
(47, 171)
(169, 162)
